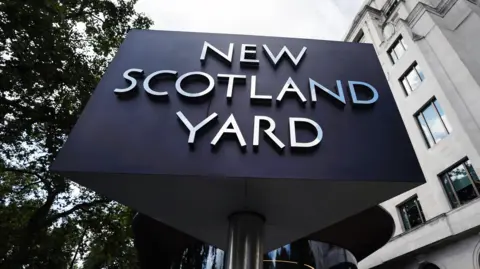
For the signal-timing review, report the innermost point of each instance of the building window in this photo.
(412, 213)
(397, 50)
(390, 6)
(412, 78)
(461, 184)
(360, 37)
(433, 122)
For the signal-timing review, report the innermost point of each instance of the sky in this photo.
(315, 19)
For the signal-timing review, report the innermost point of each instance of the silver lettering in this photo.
(233, 130)
(353, 93)
(275, 59)
(133, 81)
(146, 82)
(290, 86)
(253, 89)
(340, 96)
(231, 81)
(248, 49)
(227, 57)
(293, 135)
(211, 84)
(193, 129)
(269, 131)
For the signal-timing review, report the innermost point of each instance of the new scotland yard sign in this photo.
(191, 127)
(247, 58)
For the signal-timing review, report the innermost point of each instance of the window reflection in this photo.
(419, 72)
(461, 184)
(448, 189)
(426, 131)
(406, 86)
(412, 79)
(433, 123)
(412, 213)
(397, 50)
(442, 115)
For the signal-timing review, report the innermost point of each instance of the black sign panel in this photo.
(179, 116)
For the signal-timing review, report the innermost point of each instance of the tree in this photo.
(52, 55)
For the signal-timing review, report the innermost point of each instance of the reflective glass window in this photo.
(433, 123)
(461, 183)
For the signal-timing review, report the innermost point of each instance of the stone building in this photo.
(430, 52)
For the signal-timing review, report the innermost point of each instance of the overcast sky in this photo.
(317, 19)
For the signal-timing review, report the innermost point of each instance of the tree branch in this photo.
(39, 176)
(80, 11)
(98, 18)
(22, 171)
(81, 206)
(29, 185)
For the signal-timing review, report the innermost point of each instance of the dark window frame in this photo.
(419, 112)
(359, 37)
(413, 67)
(457, 203)
(398, 41)
(419, 208)
(390, 7)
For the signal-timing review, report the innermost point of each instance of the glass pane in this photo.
(444, 118)
(406, 224)
(412, 214)
(404, 216)
(419, 206)
(399, 50)
(393, 56)
(462, 184)
(403, 44)
(420, 72)
(473, 174)
(406, 86)
(426, 132)
(361, 39)
(449, 191)
(435, 123)
(413, 79)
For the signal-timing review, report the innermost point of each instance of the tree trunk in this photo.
(29, 236)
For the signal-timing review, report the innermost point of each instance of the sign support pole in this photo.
(245, 241)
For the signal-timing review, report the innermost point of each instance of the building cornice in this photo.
(440, 10)
(366, 9)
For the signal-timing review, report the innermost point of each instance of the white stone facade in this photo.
(443, 38)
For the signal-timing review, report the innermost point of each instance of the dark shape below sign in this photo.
(191, 127)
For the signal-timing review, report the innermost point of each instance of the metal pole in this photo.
(245, 241)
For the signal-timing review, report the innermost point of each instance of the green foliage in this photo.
(52, 55)
(112, 248)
